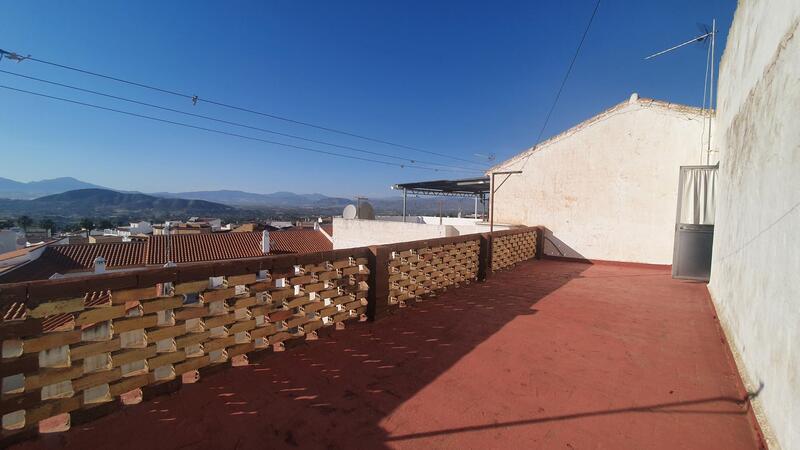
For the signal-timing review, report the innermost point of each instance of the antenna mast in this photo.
(709, 34)
(711, 104)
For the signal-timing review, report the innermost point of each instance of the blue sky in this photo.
(457, 78)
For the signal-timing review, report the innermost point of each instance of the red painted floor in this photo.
(548, 355)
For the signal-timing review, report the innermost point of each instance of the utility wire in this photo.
(564, 80)
(227, 133)
(195, 99)
(228, 122)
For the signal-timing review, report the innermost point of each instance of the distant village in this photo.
(29, 252)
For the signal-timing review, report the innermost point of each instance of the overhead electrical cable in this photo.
(228, 122)
(564, 80)
(195, 99)
(227, 133)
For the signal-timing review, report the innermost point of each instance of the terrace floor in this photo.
(547, 355)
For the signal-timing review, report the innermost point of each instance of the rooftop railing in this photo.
(76, 348)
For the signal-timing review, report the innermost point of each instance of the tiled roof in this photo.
(82, 256)
(328, 228)
(76, 257)
(184, 248)
(298, 241)
(56, 322)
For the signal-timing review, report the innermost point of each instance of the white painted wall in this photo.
(348, 233)
(607, 188)
(463, 225)
(141, 227)
(755, 273)
(358, 233)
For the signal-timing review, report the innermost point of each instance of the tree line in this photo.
(25, 222)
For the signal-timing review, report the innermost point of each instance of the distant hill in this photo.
(17, 190)
(121, 203)
(107, 203)
(33, 189)
(276, 199)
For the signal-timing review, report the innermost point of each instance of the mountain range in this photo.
(71, 197)
(106, 203)
(249, 199)
(18, 190)
(26, 191)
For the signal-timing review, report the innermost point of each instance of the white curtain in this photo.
(697, 196)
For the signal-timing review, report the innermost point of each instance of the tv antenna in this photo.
(708, 87)
(11, 56)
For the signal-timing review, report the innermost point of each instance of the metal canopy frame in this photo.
(476, 188)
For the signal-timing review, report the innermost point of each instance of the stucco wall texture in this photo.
(607, 188)
(349, 233)
(755, 274)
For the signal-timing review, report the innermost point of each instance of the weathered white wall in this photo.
(348, 233)
(607, 188)
(463, 225)
(755, 273)
(390, 229)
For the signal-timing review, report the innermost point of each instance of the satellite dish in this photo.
(349, 212)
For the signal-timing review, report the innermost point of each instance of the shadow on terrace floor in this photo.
(550, 354)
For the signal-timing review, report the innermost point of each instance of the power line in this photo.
(228, 122)
(566, 75)
(195, 99)
(227, 133)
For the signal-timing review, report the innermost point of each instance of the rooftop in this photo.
(549, 354)
(184, 248)
(21, 251)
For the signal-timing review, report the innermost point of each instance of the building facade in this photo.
(607, 188)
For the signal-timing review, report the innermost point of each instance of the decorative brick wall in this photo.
(70, 352)
(422, 271)
(510, 248)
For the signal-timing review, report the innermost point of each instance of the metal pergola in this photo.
(476, 188)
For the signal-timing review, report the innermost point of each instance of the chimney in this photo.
(634, 98)
(99, 264)
(265, 242)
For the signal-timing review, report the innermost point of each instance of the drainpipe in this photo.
(491, 205)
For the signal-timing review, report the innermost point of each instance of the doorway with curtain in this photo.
(694, 223)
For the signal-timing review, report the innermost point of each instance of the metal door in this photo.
(694, 223)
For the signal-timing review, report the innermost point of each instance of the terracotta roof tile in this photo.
(298, 241)
(184, 248)
(116, 254)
